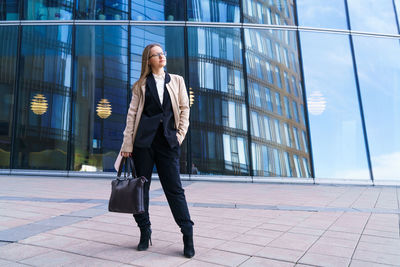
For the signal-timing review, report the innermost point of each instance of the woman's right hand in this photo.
(126, 154)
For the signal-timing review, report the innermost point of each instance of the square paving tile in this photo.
(324, 260)
(223, 257)
(282, 254)
(262, 262)
(17, 252)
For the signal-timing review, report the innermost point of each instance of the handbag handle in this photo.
(129, 164)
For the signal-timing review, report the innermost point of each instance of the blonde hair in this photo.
(146, 68)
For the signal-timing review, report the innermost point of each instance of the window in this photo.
(278, 103)
(287, 107)
(254, 121)
(267, 128)
(278, 132)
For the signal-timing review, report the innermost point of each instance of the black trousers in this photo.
(167, 164)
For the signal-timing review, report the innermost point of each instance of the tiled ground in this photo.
(64, 222)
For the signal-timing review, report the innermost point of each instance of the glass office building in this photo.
(279, 88)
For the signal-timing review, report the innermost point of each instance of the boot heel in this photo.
(145, 237)
(151, 243)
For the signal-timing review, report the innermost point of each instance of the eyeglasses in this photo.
(161, 54)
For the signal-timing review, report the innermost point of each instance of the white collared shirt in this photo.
(160, 80)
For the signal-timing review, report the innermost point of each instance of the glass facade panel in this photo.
(335, 121)
(379, 75)
(48, 10)
(171, 39)
(213, 10)
(8, 61)
(102, 10)
(322, 14)
(69, 86)
(101, 75)
(169, 10)
(213, 51)
(9, 10)
(268, 12)
(42, 133)
(270, 98)
(372, 16)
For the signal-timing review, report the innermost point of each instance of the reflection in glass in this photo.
(102, 9)
(170, 10)
(322, 14)
(41, 139)
(101, 72)
(8, 58)
(268, 12)
(271, 97)
(372, 16)
(379, 74)
(213, 10)
(9, 10)
(48, 10)
(171, 40)
(216, 77)
(336, 131)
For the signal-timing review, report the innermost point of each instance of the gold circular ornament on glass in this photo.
(39, 104)
(103, 109)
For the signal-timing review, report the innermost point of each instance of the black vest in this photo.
(154, 113)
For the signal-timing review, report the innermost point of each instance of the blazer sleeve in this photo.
(127, 145)
(184, 111)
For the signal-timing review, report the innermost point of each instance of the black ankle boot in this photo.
(145, 237)
(188, 247)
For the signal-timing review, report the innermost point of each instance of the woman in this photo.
(156, 125)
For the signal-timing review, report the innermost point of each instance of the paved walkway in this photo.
(64, 222)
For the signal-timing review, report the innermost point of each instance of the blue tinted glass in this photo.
(278, 77)
(372, 16)
(216, 76)
(170, 10)
(322, 14)
(48, 10)
(101, 79)
(213, 11)
(8, 61)
(9, 10)
(278, 103)
(268, 12)
(335, 122)
(268, 99)
(379, 72)
(287, 108)
(102, 9)
(278, 170)
(295, 111)
(44, 104)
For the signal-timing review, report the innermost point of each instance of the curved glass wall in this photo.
(334, 114)
(267, 98)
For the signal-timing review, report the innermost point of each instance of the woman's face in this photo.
(157, 58)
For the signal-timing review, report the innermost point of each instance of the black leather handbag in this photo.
(127, 193)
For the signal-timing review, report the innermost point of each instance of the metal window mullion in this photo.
(359, 94)
(246, 91)
(16, 99)
(70, 147)
(303, 84)
(396, 16)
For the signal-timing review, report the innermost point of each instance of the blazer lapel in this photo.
(151, 83)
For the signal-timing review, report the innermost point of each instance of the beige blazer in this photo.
(180, 106)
